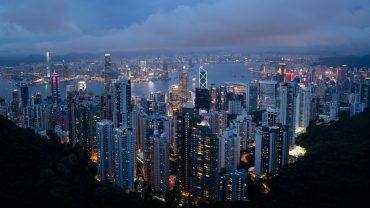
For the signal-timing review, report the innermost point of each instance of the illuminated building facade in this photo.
(124, 156)
(122, 103)
(104, 140)
(160, 163)
(204, 163)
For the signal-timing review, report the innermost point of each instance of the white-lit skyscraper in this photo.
(303, 110)
(124, 158)
(202, 78)
(267, 94)
(122, 103)
(229, 149)
(108, 73)
(160, 163)
(287, 107)
(271, 150)
(48, 66)
(104, 143)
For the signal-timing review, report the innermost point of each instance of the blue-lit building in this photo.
(233, 186)
(104, 140)
(124, 154)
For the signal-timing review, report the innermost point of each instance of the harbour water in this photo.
(217, 74)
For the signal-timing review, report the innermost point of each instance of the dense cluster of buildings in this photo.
(194, 137)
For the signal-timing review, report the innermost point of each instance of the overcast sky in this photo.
(64, 26)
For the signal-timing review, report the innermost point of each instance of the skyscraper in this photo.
(104, 141)
(267, 94)
(202, 99)
(252, 97)
(204, 163)
(217, 120)
(108, 74)
(262, 151)
(152, 123)
(55, 88)
(124, 158)
(122, 103)
(48, 66)
(202, 78)
(271, 117)
(24, 95)
(287, 107)
(160, 163)
(233, 186)
(272, 148)
(71, 116)
(213, 95)
(184, 82)
(87, 115)
(229, 149)
(185, 120)
(303, 110)
(244, 125)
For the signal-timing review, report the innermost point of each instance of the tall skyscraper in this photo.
(55, 88)
(71, 116)
(48, 64)
(185, 120)
(124, 158)
(152, 123)
(15, 103)
(184, 82)
(244, 125)
(303, 110)
(202, 99)
(267, 94)
(213, 95)
(204, 163)
(252, 97)
(104, 141)
(24, 95)
(160, 163)
(233, 186)
(229, 149)
(217, 120)
(122, 103)
(202, 78)
(287, 107)
(107, 105)
(108, 73)
(271, 117)
(272, 148)
(262, 151)
(87, 115)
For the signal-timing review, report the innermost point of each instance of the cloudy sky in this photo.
(65, 26)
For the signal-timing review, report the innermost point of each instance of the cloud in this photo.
(215, 24)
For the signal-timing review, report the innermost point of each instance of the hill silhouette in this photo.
(40, 172)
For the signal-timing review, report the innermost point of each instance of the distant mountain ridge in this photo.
(350, 61)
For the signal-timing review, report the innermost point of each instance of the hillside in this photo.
(36, 172)
(334, 173)
(351, 61)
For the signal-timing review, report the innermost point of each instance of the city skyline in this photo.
(185, 103)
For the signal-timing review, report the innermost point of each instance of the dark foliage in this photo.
(37, 172)
(334, 173)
